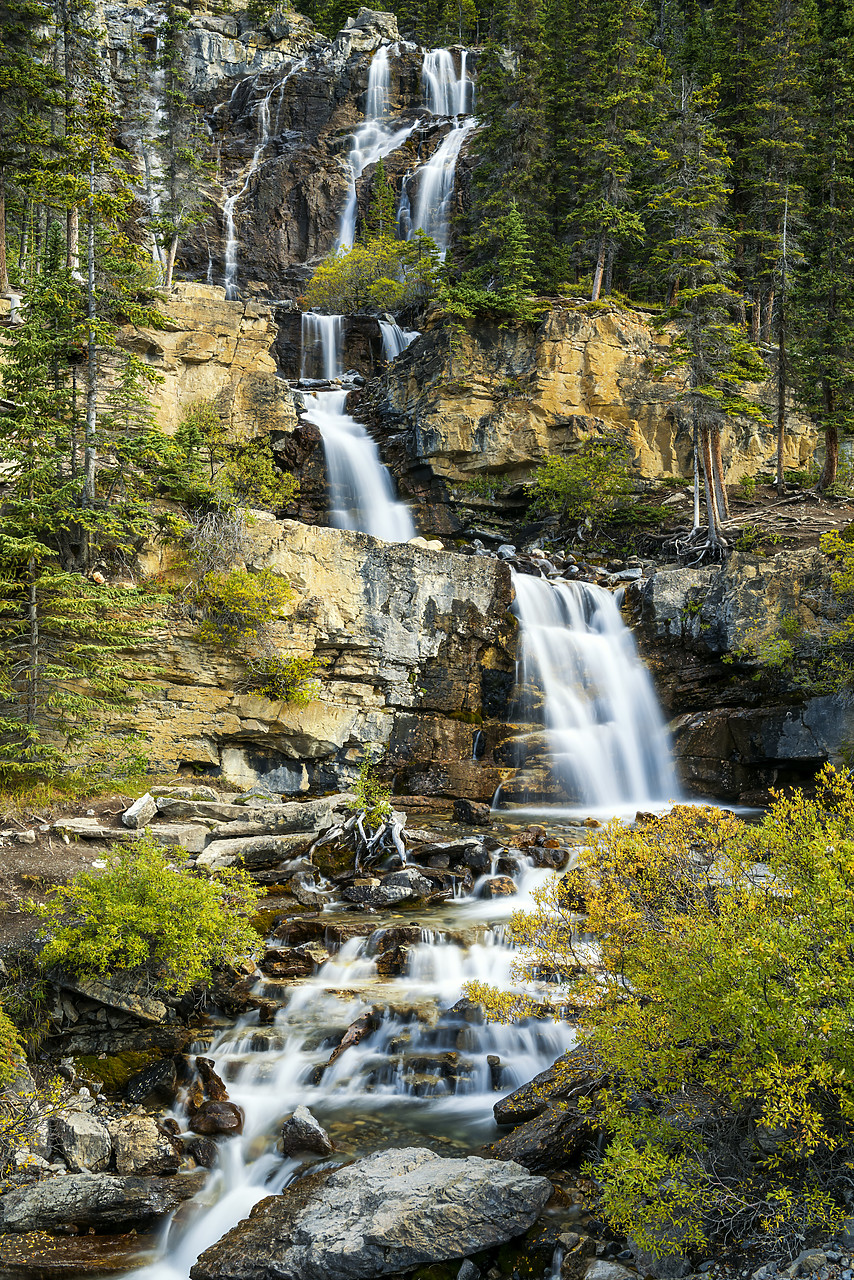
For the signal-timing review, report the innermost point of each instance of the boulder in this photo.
(203, 1150)
(301, 1132)
(141, 811)
(189, 836)
(548, 1142)
(157, 1083)
(401, 886)
(577, 1072)
(217, 1117)
(472, 812)
(252, 851)
(93, 1200)
(600, 1269)
(142, 1148)
(214, 1086)
(498, 887)
(83, 1140)
(389, 1213)
(42, 1257)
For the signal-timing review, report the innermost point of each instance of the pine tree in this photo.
(823, 297)
(693, 252)
(381, 220)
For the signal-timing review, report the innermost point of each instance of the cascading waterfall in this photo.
(373, 140)
(596, 726)
(361, 491)
(415, 1075)
(154, 103)
(264, 136)
(395, 339)
(451, 95)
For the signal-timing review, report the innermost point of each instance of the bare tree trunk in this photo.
(89, 450)
(781, 398)
(32, 644)
(717, 459)
(170, 264)
(673, 293)
(5, 287)
(72, 239)
(712, 513)
(600, 269)
(696, 434)
(756, 318)
(767, 314)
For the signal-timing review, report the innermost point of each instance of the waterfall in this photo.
(445, 94)
(395, 339)
(361, 491)
(588, 698)
(263, 137)
(322, 340)
(154, 103)
(437, 179)
(373, 140)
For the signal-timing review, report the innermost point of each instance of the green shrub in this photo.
(382, 274)
(720, 1002)
(143, 910)
(11, 1049)
(373, 798)
(588, 486)
(239, 606)
(747, 485)
(285, 679)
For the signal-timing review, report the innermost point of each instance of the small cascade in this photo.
(361, 490)
(373, 140)
(596, 737)
(154, 104)
(263, 137)
(437, 180)
(395, 339)
(445, 92)
(322, 340)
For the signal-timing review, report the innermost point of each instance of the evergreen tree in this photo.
(381, 221)
(823, 297)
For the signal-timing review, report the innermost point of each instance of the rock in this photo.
(498, 887)
(94, 1200)
(40, 1257)
(669, 1263)
(599, 1269)
(185, 793)
(389, 1213)
(577, 1072)
(142, 1148)
(217, 1117)
(807, 1263)
(214, 1087)
(305, 890)
(203, 1150)
(125, 991)
(472, 812)
(189, 836)
(83, 1140)
(252, 851)
(141, 811)
(301, 1132)
(92, 829)
(550, 1141)
(468, 1271)
(157, 1083)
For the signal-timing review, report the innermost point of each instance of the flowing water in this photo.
(594, 721)
(263, 137)
(395, 339)
(361, 490)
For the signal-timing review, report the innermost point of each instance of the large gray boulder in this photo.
(83, 1141)
(93, 1200)
(142, 1148)
(389, 1213)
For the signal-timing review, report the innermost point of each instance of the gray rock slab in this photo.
(189, 836)
(92, 829)
(252, 851)
(119, 992)
(278, 819)
(93, 1200)
(142, 1148)
(389, 1213)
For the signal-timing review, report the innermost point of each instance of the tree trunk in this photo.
(600, 268)
(781, 397)
(767, 315)
(5, 287)
(712, 513)
(89, 450)
(170, 264)
(32, 644)
(72, 239)
(831, 458)
(696, 435)
(717, 459)
(673, 293)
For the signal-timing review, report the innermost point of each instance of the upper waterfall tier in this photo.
(596, 728)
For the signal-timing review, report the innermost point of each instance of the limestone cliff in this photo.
(737, 732)
(416, 648)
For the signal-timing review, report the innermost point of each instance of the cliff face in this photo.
(735, 731)
(416, 650)
(458, 406)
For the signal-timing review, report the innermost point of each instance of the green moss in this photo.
(115, 1070)
(467, 717)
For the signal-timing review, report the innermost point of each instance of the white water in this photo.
(581, 681)
(361, 491)
(154, 103)
(395, 339)
(263, 137)
(446, 93)
(436, 183)
(372, 141)
(398, 1076)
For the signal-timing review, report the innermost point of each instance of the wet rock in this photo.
(252, 852)
(83, 1141)
(575, 1073)
(157, 1083)
(142, 1148)
(498, 887)
(390, 948)
(550, 1141)
(203, 1150)
(301, 1132)
(217, 1117)
(389, 1213)
(141, 811)
(401, 886)
(357, 1031)
(214, 1087)
(472, 812)
(40, 1257)
(305, 890)
(94, 1200)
